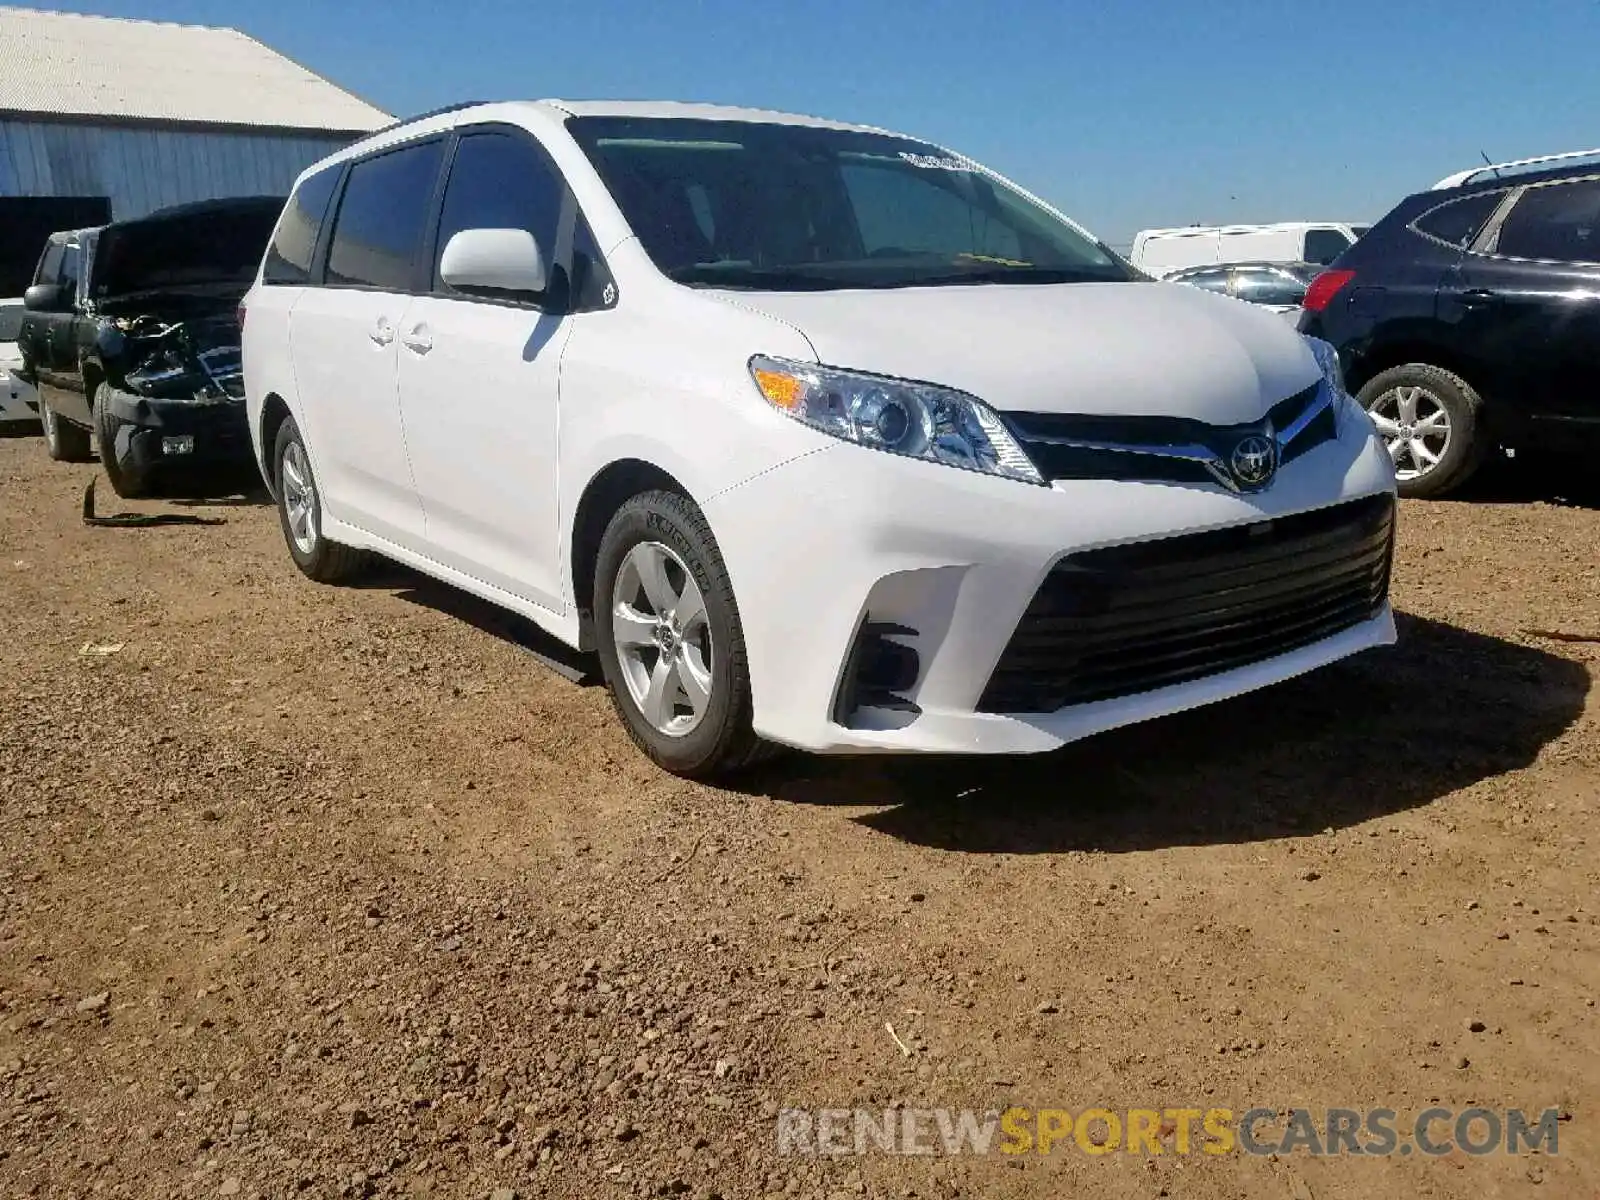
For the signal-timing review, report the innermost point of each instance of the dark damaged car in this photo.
(131, 335)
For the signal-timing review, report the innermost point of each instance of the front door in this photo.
(67, 330)
(479, 378)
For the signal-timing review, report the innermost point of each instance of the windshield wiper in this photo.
(755, 279)
(1010, 275)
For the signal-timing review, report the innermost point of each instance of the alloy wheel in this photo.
(663, 638)
(299, 498)
(1415, 425)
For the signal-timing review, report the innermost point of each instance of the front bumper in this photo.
(218, 434)
(19, 400)
(847, 537)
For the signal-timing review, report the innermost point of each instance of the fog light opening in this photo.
(881, 668)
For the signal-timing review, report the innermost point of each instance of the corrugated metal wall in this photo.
(145, 168)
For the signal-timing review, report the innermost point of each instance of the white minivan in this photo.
(817, 435)
(1160, 252)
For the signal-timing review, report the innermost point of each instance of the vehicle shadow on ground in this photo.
(1384, 732)
(212, 489)
(20, 429)
(1568, 481)
(416, 588)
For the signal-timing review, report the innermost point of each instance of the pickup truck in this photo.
(130, 332)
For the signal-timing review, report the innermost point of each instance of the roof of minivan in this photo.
(701, 112)
(542, 111)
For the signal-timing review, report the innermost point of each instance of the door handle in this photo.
(382, 332)
(1479, 298)
(419, 340)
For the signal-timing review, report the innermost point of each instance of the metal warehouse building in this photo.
(108, 119)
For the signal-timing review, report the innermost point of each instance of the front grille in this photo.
(1165, 449)
(1129, 619)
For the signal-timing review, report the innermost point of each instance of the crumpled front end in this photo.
(195, 359)
(174, 393)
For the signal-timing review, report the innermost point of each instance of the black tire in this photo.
(63, 441)
(723, 741)
(323, 560)
(1469, 442)
(127, 480)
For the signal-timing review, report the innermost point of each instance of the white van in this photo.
(815, 434)
(1159, 252)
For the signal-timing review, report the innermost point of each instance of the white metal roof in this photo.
(66, 65)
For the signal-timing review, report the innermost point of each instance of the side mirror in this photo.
(45, 298)
(494, 260)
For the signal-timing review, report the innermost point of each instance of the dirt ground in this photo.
(307, 891)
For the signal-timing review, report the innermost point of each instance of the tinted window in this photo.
(10, 321)
(1458, 222)
(381, 218)
(1215, 280)
(72, 270)
(50, 263)
(1558, 221)
(289, 257)
(1325, 245)
(795, 208)
(501, 182)
(1261, 285)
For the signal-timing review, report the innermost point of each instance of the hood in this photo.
(212, 244)
(1113, 349)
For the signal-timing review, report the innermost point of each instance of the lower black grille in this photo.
(1133, 618)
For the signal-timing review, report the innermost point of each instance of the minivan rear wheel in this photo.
(669, 639)
(1431, 420)
(300, 513)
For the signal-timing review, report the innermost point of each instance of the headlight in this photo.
(1345, 406)
(918, 420)
(1328, 360)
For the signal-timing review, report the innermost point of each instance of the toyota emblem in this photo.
(1254, 461)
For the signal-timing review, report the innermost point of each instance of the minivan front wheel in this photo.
(1431, 421)
(669, 639)
(300, 513)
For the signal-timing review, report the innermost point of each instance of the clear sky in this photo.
(1124, 113)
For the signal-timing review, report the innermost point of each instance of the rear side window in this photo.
(1262, 286)
(1458, 222)
(381, 218)
(289, 257)
(1325, 245)
(501, 182)
(1215, 280)
(1558, 222)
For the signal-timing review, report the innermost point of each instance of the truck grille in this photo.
(1129, 619)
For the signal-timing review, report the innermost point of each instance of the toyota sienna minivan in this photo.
(817, 435)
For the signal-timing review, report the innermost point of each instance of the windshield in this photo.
(740, 204)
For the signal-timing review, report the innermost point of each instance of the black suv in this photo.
(1469, 317)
